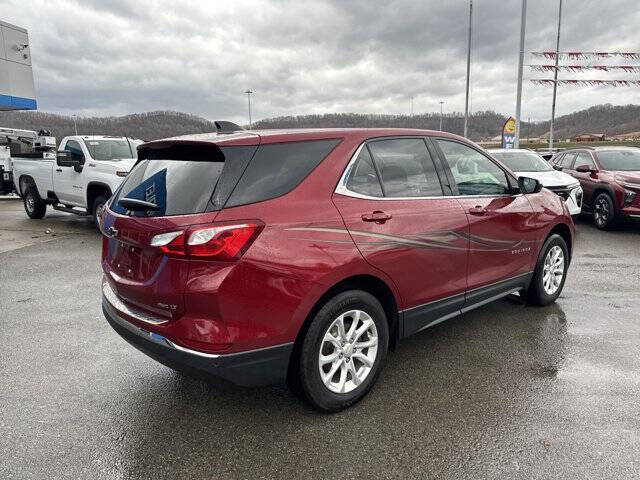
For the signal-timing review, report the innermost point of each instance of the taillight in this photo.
(219, 242)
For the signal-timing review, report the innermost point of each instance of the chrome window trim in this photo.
(342, 189)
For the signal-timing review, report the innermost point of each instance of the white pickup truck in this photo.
(82, 177)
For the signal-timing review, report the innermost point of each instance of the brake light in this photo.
(219, 242)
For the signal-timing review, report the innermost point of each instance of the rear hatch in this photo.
(174, 185)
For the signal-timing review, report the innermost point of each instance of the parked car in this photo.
(530, 164)
(87, 170)
(304, 255)
(610, 179)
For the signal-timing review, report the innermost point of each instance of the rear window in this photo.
(183, 180)
(277, 169)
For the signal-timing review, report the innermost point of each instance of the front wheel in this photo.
(604, 211)
(343, 350)
(97, 208)
(33, 204)
(550, 273)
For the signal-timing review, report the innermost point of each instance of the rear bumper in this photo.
(264, 366)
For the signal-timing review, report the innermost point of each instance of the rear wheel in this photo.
(343, 350)
(604, 211)
(550, 273)
(33, 204)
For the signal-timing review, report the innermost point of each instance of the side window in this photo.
(75, 149)
(363, 177)
(567, 161)
(406, 168)
(558, 159)
(278, 168)
(584, 159)
(474, 173)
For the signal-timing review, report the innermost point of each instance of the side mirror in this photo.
(64, 158)
(529, 185)
(584, 169)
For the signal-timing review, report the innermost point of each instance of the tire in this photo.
(98, 204)
(604, 211)
(353, 375)
(543, 289)
(33, 204)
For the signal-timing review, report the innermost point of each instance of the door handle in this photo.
(477, 210)
(377, 216)
(58, 169)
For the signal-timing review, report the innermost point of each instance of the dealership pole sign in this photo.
(509, 133)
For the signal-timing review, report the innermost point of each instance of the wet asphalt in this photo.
(505, 391)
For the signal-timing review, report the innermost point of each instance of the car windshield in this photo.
(626, 160)
(523, 161)
(110, 149)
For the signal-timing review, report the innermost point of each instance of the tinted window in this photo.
(363, 177)
(406, 168)
(584, 159)
(567, 161)
(75, 149)
(474, 173)
(185, 183)
(628, 160)
(278, 168)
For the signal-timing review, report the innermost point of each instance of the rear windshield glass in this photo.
(277, 169)
(183, 184)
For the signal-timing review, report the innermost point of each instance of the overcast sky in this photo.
(101, 57)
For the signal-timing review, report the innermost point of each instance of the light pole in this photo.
(523, 23)
(441, 102)
(249, 92)
(466, 102)
(555, 80)
(75, 125)
(411, 106)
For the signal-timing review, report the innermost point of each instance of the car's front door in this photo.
(67, 181)
(502, 237)
(391, 199)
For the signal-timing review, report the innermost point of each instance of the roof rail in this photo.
(223, 126)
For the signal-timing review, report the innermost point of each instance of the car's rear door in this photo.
(180, 180)
(502, 236)
(392, 200)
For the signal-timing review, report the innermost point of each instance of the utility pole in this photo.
(249, 92)
(75, 125)
(555, 80)
(523, 24)
(412, 106)
(441, 102)
(466, 102)
(529, 130)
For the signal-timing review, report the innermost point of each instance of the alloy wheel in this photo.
(602, 211)
(348, 351)
(553, 270)
(31, 203)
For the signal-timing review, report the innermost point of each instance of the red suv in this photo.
(304, 255)
(610, 180)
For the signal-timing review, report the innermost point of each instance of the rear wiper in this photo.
(135, 205)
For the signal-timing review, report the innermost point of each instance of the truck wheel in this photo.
(96, 209)
(343, 350)
(33, 204)
(604, 212)
(550, 273)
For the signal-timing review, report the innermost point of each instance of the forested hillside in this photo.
(605, 119)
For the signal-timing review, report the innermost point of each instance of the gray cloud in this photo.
(115, 57)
